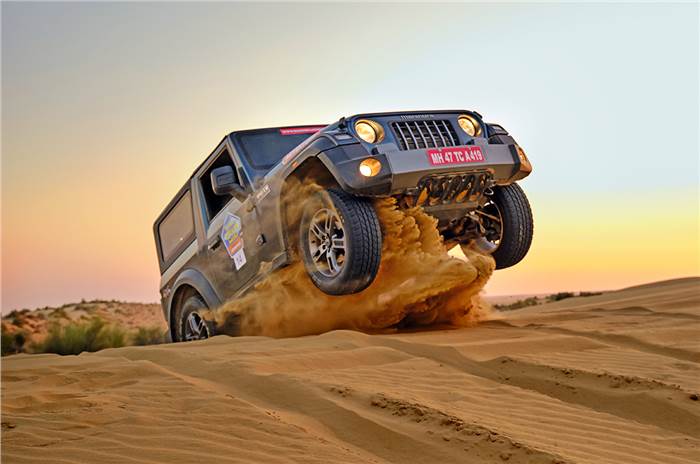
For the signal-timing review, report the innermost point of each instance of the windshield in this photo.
(264, 149)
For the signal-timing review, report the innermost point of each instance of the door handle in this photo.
(214, 244)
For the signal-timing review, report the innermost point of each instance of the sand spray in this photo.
(418, 284)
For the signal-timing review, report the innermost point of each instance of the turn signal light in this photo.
(525, 165)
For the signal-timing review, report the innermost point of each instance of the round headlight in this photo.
(370, 167)
(469, 125)
(369, 131)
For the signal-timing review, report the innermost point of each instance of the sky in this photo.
(107, 108)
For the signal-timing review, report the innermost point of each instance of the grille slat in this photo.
(437, 129)
(403, 137)
(432, 137)
(422, 136)
(413, 135)
(447, 129)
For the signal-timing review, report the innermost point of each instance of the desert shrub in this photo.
(19, 339)
(59, 313)
(590, 293)
(12, 342)
(560, 296)
(113, 337)
(16, 318)
(6, 343)
(532, 301)
(148, 336)
(74, 338)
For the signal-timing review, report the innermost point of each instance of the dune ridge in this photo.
(604, 379)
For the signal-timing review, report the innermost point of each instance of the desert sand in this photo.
(604, 379)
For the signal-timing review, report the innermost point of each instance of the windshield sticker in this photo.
(300, 130)
(232, 237)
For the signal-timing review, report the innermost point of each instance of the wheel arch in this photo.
(190, 282)
(312, 169)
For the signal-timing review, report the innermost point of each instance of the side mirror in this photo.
(224, 182)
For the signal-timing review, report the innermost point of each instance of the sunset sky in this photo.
(108, 108)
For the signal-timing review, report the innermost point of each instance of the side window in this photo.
(177, 228)
(216, 203)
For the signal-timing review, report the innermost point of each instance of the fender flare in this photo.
(341, 163)
(195, 279)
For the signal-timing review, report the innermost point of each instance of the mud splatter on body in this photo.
(418, 283)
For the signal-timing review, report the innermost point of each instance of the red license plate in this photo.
(455, 155)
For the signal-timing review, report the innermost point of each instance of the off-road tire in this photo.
(517, 225)
(363, 241)
(193, 303)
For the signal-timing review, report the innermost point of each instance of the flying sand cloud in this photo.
(418, 283)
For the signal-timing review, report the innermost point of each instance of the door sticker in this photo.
(232, 237)
(239, 258)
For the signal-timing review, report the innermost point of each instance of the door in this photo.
(231, 244)
(232, 230)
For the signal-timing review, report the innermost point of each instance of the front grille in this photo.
(425, 134)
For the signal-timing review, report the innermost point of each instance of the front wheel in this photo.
(508, 225)
(341, 241)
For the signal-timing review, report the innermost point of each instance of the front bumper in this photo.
(406, 172)
(409, 167)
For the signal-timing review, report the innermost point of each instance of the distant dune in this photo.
(129, 316)
(612, 378)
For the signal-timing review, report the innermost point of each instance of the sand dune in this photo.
(128, 316)
(605, 379)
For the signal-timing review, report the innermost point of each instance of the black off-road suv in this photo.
(241, 214)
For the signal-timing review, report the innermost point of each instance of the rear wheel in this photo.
(190, 322)
(341, 241)
(508, 225)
